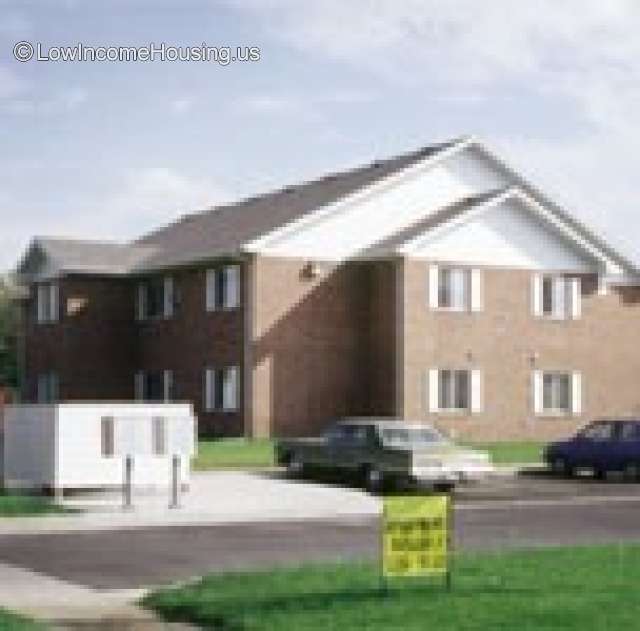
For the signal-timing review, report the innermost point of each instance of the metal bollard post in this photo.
(175, 482)
(127, 495)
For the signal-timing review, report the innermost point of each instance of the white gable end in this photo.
(350, 226)
(506, 234)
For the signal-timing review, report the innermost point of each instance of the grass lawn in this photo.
(241, 453)
(564, 588)
(15, 505)
(230, 453)
(13, 622)
(512, 452)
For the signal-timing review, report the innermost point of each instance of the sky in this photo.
(110, 150)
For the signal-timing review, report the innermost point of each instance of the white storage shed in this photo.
(84, 445)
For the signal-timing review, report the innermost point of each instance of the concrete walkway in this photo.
(214, 498)
(66, 605)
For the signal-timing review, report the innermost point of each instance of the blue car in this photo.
(602, 446)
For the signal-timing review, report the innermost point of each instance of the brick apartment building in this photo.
(438, 285)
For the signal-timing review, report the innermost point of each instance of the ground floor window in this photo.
(557, 392)
(154, 385)
(47, 388)
(221, 389)
(454, 390)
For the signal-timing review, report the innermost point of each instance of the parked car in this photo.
(384, 450)
(602, 446)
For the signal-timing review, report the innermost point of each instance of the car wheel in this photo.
(600, 474)
(295, 466)
(373, 479)
(632, 472)
(561, 467)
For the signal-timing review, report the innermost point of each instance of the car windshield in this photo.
(411, 436)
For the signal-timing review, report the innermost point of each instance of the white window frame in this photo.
(474, 394)
(542, 380)
(464, 288)
(222, 288)
(168, 299)
(564, 292)
(222, 389)
(47, 303)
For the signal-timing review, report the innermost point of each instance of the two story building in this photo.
(437, 286)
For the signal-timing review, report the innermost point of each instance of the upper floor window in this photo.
(556, 296)
(221, 389)
(454, 288)
(557, 392)
(47, 388)
(223, 288)
(47, 302)
(155, 298)
(154, 385)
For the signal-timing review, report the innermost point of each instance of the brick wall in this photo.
(506, 342)
(190, 341)
(92, 350)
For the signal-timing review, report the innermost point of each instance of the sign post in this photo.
(416, 540)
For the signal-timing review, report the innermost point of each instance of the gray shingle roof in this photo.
(223, 230)
(92, 257)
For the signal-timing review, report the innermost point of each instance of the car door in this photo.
(629, 444)
(599, 448)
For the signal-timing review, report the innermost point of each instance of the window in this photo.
(107, 437)
(223, 288)
(221, 389)
(47, 303)
(47, 388)
(455, 289)
(557, 393)
(156, 298)
(454, 389)
(159, 435)
(451, 390)
(154, 385)
(601, 430)
(557, 297)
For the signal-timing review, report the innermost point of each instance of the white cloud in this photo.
(302, 104)
(63, 102)
(154, 195)
(11, 85)
(182, 105)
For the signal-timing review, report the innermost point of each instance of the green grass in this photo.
(17, 505)
(512, 452)
(550, 589)
(13, 622)
(242, 453)
(234, 453)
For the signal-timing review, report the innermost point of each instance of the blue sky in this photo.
(110, 150)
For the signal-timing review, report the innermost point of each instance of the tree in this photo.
(8, 333)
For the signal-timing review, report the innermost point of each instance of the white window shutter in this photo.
(476, 392)
(476, 290)
(434, 390)
(576, 393)
(536, 391)
(536, 294)
(575, 297)
(139, 385)
(54, 302)
(41, 299)
(433, 288)
(232, 286)
(210, 283)
(168, 297)
(167, 385)
(209, 384)
(141, 303)
(230, 393)
(559, 297)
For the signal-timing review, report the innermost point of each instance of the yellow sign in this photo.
(415, 535)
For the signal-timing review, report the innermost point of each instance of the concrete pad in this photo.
(214, 498)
